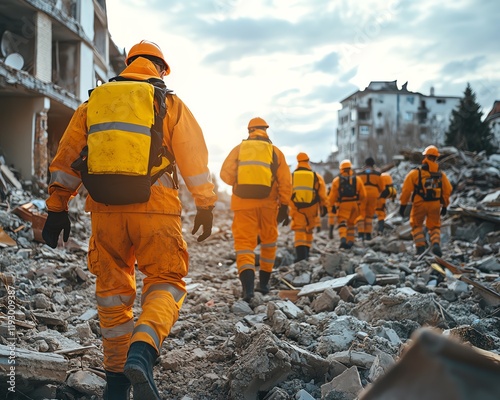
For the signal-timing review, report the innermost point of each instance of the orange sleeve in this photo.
(190, 150)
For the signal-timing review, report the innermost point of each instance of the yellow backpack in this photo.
(304, 193)
(256, 169)
(125, 155)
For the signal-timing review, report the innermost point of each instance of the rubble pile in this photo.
(344, 324)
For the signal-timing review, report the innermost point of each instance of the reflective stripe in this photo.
(70, 182)
(304, 188)
(267, 260)
(262, 164)
(176, 293)
(147, 329)
(119, 330)
(113, 301)
(165, 180)
(120, 126)
(268, 245)
(240, 252)
(198, 180)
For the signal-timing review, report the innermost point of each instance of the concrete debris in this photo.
(337, 326)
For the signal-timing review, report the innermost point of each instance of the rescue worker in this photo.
(389, 192)
(309, 200)
(261, 191)
(429, 189)
(350, 194)
(374, 186)
(148, 233)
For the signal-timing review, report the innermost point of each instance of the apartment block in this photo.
(383, 119)
(51, 53)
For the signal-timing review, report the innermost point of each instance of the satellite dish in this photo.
(14, 60)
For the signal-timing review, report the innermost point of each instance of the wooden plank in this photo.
(10, 176)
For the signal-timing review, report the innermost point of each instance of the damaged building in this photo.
(52, 53)
(386, 119)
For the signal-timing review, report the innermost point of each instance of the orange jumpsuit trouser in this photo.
(247, 226)
(380, 210)
(428, 211)
(155, 241)
(347, 216)
(365, 225)
(303, 223)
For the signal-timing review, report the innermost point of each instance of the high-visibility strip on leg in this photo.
(267, 256)
(244, 258)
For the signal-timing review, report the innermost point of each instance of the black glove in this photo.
(443, 211)
(56, 223)
(402, 209)
(324, 211)
(385, 193)
(334, 209)
(204, 217)
(283, 215)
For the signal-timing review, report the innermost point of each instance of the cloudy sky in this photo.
(292, 61)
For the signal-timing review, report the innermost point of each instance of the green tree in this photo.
(467, 131)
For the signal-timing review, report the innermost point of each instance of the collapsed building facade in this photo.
(52, 53)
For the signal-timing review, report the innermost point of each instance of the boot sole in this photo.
(140, 383)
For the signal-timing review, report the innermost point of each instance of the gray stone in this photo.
(86, 382)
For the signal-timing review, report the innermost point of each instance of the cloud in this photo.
(293, 61)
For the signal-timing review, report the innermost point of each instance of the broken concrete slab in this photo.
(31, 367)
(336, 283)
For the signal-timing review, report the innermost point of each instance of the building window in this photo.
(364, 115)
(440, 101)
(353, 115)
(364, 130)
(408, 116)
(379, 131)
(353, 132)
(410, 99)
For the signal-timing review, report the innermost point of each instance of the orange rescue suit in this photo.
(257, 218)
(305, 219)
(422, 210)
(148, 233)
(348, 211)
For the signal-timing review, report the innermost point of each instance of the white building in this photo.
(382, 120)
(493, 119)
(51, 53)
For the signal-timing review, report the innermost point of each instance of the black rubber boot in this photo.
(436, 249)
(307, 252)
(330, 232)
(264, 277)
(361, 235)
(368, 236)
(139, 370)
(300, 253)
(343, 243)
(117, 386)
(420, 250)
(380, 226)
(247, 278)
(350, 244)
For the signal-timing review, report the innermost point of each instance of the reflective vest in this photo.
(256, 169)
(125, 155)
(304, 193)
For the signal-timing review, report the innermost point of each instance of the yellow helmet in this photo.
(431, 151)
(302, 157)
(147, 48)
(345, 164)
(257, 123)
